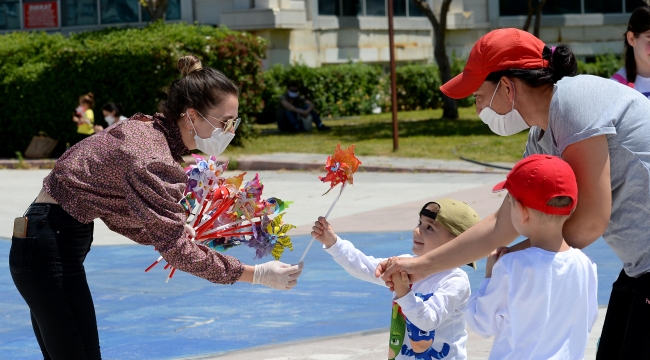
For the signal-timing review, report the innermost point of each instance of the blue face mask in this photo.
(293, 94)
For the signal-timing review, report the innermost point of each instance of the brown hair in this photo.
(88, 99)
(199, 88)
(639, 23)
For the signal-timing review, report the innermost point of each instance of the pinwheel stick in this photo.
(326, 216)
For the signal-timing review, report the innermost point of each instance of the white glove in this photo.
(277, 275)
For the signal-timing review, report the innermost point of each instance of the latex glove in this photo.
(277, 275)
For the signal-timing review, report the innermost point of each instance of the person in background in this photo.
(294, 107)
(112, 114)
(84, 116)
(636, 73)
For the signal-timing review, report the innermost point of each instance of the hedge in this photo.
(44, 75)
(340, 90)
(358, 88)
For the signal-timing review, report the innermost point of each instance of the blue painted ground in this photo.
(141, 317)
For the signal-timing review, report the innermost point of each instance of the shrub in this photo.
(604, 66)
(418, 87)
(44, 75)
(339, 90)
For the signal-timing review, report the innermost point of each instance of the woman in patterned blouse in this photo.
(130, 177)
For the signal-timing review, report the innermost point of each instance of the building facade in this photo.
(322, 32)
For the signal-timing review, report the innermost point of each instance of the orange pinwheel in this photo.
(340, 167)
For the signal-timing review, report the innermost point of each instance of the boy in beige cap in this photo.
(428, 316)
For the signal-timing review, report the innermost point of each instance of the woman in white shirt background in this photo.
(636, 73)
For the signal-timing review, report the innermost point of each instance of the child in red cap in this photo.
(539, 302)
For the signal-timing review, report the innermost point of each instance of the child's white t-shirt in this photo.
(641, 84)
(539, 304)
(434, 307)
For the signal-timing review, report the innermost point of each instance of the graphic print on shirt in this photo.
(421, 341)
(397, 332)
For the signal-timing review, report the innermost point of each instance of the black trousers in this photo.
(47, 268)
(626, 332)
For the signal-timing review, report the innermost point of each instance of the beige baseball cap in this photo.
(454, 215)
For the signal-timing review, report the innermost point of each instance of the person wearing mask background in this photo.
(295, 109)
(129, 176)
(112, 114)
(636, 73)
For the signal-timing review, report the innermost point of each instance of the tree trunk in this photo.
(529, 17)
(449, 106)
(156, 9)
(538, 17)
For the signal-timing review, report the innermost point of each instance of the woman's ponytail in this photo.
(563, 62)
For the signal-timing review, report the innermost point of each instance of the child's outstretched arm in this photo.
(345, 254)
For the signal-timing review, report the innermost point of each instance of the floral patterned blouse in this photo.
(130, 177)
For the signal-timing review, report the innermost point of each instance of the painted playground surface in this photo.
(141, 317)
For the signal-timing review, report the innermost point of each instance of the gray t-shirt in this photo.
(585, 106)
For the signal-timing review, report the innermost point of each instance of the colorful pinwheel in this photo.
(340, 170)
(223, 214)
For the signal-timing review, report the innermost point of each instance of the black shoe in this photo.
(324, 128)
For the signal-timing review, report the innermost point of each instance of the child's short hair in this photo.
(544, 183)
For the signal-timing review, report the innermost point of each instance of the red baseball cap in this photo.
(537, 179)
(497, 50)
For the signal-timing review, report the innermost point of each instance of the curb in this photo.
(257, 165)
(27, 164)
(279, 165)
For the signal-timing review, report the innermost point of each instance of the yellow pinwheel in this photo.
(277, 231)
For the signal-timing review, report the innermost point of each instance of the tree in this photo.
(538, 16)
(449, 106)
(156, 8)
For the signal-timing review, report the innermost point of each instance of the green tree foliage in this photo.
(44, 75)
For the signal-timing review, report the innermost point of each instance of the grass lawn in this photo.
(422, 134)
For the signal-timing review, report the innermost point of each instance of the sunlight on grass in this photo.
(422, 134)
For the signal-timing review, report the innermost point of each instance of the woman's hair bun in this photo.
(188, 64)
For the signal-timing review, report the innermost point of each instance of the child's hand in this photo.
(492, 259)
(401, 283)
(323, 232)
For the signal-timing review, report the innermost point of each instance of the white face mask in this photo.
(292, 94)
(109, 119)
(216, 143)
(504, 125)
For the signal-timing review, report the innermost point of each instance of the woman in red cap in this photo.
(599, 127)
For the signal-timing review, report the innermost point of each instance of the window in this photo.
(631, 5)
(559, 7)
(173, 11)
(375, 7)
(9, 15)
(352, 8)
(372, 8)
(603, 6)
(78, 12)
(399, 7)
(329, 7)
(119, 11)
(413, 10)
